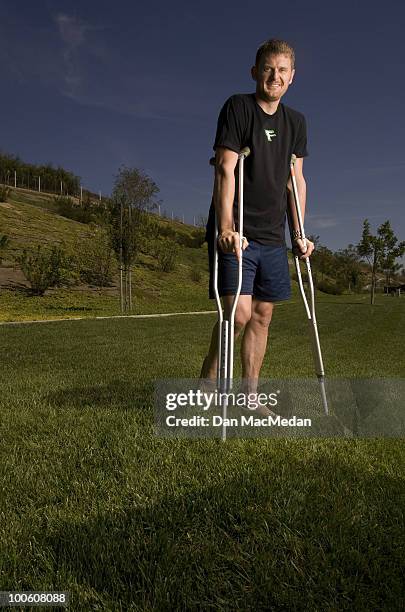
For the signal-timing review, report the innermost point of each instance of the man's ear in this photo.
(292, 76)
(253, 72)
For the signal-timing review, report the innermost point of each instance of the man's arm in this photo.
(224, 194)
(302, 196)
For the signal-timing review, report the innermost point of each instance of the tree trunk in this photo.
(373, 279)
(121, 290)
(121, 262)
(130, 289)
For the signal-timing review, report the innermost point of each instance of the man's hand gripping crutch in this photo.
(228, 242)
(298, 240)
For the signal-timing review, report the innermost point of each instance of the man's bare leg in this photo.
(242, 316)
(254, 343)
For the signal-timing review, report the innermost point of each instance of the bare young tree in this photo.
(134, 194)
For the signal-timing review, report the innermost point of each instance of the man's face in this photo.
(273, 76)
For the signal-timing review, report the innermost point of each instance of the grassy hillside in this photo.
(29, 219)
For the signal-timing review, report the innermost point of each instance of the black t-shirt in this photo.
(272, 140)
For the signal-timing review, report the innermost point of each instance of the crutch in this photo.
(226, 326)
(309, 308)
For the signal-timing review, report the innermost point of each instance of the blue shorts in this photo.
(265, 276)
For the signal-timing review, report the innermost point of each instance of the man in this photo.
(273, 132)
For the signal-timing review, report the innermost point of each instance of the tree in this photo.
(322, 261)
(133, 195)
(27, 175)
(348, 267)
(390, 268)
(380, 250)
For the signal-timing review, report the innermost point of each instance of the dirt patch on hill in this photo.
(10, 206)
(12, 278)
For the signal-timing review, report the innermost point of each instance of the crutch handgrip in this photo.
(245, 152)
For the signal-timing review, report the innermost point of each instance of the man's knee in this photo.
(243, 310)
(262, 313)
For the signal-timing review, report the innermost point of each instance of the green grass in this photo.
(94, 503)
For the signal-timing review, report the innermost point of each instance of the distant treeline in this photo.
(27, 176)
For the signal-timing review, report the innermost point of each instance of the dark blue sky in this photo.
(93, 85)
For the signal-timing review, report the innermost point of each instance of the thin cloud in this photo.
(73, 34)
(323, 222)
(71, 30)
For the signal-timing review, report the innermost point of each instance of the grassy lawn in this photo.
(95, 504)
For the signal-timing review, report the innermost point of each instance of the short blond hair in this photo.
(275, 47)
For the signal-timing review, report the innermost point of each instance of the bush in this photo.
(95, 260)
(167, 231)
(148, 232)
(166, 253)
(304, 276)
(198, 237)
(46, 269)
(330, 288)
(5, 193)
(192, 240)
(88, 213)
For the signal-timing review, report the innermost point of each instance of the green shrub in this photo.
(193, 240)
(304, 276)
(95, 260)
(45, 269)
(183, 237)
(88, 213)
(166, 253)
(5, 193)
(330, 288)
(149, 231)
(167, 231)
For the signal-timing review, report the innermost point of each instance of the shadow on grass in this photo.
(118, 393)
(69, 308)
(318, 535)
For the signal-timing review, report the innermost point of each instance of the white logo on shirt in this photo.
(270, 134)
